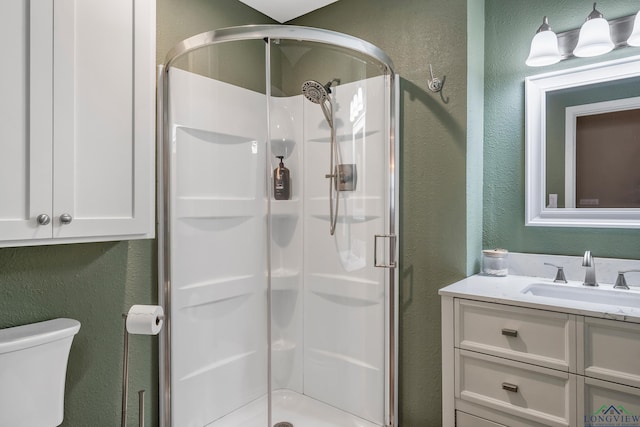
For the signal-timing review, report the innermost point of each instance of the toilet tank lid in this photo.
(25, 336)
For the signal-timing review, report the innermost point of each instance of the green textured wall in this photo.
(416, 33)
(94, 284)
(509, 27)
(475, 131)
(180, 19)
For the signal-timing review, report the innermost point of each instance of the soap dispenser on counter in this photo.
(281, 181)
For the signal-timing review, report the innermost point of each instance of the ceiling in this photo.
(286, 10)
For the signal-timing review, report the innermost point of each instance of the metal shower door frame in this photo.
(267, 33)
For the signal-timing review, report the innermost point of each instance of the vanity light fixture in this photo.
(544, 47)
(595, 37)
(634, 38)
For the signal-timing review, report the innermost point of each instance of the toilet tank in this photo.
(33, 367)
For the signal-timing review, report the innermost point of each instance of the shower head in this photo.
(316, 92)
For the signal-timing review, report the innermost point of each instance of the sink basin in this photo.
(585, 294)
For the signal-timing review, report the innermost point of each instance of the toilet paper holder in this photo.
(125, 378)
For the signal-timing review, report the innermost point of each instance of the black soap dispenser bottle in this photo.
(281, 181)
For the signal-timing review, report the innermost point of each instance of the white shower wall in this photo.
(328, 315)
(218, 267)
(287, 241)
(344, 295)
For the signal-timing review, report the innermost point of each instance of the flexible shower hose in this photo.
(334, 171)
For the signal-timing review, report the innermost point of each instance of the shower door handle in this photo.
(392, 251)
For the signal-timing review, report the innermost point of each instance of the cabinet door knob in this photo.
(510, 332)
(43, 219)
(510, 387)
(66, 218)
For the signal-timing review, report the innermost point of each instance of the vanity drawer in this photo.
(539, 337)
(465, 420)
(531, 392)
(611, 350)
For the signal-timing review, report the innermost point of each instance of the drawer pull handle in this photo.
(510, 387)
(510, 332)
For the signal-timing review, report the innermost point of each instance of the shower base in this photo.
(294, 408)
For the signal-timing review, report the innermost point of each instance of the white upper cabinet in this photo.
(77, 110)
(26, 119)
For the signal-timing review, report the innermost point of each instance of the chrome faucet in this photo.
(590, 274)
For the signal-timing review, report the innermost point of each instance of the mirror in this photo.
(583, 146)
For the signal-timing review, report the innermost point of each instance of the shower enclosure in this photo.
(279, 312)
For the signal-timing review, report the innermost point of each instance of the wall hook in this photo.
(435, 84)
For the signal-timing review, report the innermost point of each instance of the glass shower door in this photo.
(329, 304)
(218, 236)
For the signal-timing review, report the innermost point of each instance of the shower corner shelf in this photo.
(286, 208)
(284, 280)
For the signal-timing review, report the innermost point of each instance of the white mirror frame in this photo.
(536, 88)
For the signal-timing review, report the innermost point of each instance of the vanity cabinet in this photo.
(77, 113)
(507, 365)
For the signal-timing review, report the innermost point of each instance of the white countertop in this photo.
(509, 290)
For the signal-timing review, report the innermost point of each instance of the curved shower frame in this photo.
(267, 33)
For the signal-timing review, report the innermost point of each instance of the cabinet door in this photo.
(602, 403)
(611, 350)
(25, 119)
(104, 79)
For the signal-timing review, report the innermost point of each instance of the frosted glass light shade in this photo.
(634, 38)
(544, 49)
(594, 38)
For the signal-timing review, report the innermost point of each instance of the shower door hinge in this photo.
(391, 263)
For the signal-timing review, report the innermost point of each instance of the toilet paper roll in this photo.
(145, 319)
